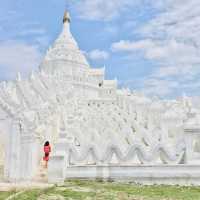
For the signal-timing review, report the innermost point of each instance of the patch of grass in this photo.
(29, 195)
(4, 195)
(148, 192)
(33, 194)
(76, 194)
(100, 190)
(157, 192)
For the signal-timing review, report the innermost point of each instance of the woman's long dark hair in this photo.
(46, 143)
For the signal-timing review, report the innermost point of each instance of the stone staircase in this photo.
(41, 175)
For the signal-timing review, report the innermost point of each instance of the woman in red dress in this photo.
(47, 150)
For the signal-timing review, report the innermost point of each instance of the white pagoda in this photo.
(96, 130)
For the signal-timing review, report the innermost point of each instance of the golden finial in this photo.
(66, 17)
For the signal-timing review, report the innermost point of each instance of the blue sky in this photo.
(150, 46)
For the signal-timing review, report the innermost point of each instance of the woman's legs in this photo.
(46, 164)
(46, 159)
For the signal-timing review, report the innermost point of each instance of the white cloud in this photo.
(129, 46)
(175, 33)
(16, 57)
(101, 9)
(171, 51)
(98, 55)
(166, 71)
(159, 87)
(171, 39)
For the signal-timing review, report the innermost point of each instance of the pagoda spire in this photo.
(66, 17)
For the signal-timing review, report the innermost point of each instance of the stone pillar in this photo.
(12, 158)
(21, 154)
(29, 156)
(59, 162)
(56, 168)
(191, 134)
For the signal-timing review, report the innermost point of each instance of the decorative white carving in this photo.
(71, 105)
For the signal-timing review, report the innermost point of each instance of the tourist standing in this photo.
(47, 150)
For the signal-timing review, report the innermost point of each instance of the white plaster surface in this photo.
(90, 121)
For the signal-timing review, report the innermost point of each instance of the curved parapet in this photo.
(144, 155)
(76, 157)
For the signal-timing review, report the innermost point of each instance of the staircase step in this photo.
(41, 175)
